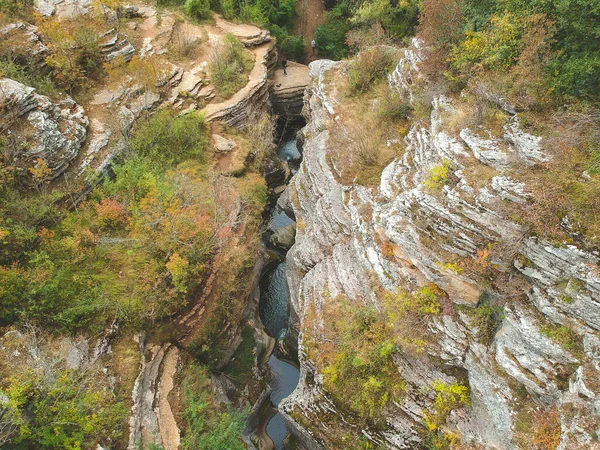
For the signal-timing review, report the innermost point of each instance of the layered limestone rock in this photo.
(253, 98)
(287, 91)
(542, 287)
(26, 45)
(68, 9)
(37, 128)
(116, 45)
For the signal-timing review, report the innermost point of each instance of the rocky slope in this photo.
(404, 235)
(37, 128)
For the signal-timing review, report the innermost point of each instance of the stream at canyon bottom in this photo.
(274, 314)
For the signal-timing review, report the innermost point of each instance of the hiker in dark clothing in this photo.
(284, 65)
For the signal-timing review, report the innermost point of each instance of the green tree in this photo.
(197, 9)
(330, 37)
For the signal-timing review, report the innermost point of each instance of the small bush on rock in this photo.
(197, 9)
(229, 66)
(370, 66)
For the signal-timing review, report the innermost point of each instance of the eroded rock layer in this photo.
(401, 235)
(39, 129)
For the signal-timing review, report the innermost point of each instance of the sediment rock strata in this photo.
(26, 46)
(252, 98)
(37, 128)
(287, 92)
(338, 251)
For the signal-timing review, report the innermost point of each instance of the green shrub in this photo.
(562, 39)
(330, 37)
(368, 67)
(29, 76)
(197, 9)
(256, 13)
(438, 175)
(228, 9)
(165, 140)
(291, 46)
(206, 428)
(397, 18)
(283, 13)
(229, 66)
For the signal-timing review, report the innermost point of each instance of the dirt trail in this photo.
(166, 420)
(311, 14)
(240, 30)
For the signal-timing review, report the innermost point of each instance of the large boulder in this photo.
(68, 9)
(37, 128)
(284, 237)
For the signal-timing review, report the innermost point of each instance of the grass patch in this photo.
(229, 66)
(566, 337)
(207, 425)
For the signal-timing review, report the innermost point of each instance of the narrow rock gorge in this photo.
(212, 236)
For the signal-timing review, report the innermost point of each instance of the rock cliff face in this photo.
(25, 44)
(540, 286)
(287, 92)
(37, 128)
(252, 99)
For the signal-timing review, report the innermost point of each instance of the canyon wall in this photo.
(401, 235)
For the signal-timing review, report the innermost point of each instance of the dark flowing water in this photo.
(274, 298)
(274, 313)
(279, 220)
(288, 151)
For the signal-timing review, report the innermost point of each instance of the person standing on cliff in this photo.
(313, 44)
(284, 65)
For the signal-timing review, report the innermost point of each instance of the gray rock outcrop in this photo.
(223, 145)
(287, 92)
(68, 9)
(37, 128)
(284, 237)
(542, 287)
(26, 45)
(116, 45)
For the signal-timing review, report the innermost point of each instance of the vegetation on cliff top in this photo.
(133, 251)
(229, 66)
(356, 347)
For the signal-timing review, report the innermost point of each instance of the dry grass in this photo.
(568, 185)
(368, 136)
(184, 44)
(360, 152)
